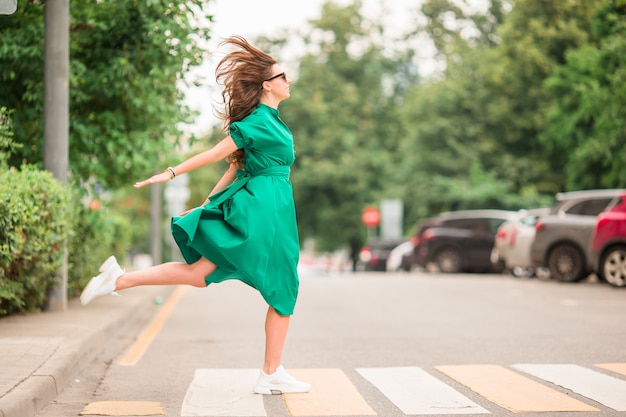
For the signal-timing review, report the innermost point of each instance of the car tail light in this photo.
(428, 235)
(366, 254)
(539, 226)
(501, 234)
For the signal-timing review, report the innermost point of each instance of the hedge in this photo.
(35, 221)
(38, 216)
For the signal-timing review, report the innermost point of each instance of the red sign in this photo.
(370, 216)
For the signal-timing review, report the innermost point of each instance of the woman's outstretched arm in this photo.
(217, 153)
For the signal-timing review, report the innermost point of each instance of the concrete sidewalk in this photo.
(41, 353)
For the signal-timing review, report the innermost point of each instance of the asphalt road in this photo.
(373, 335)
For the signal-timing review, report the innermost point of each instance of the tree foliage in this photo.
(127, 60)
(342, 116)
(587, 123)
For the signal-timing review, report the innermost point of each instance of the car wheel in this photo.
(613, 266)
(523, 271)
(542, 273)
(448, 260)
(566, 263)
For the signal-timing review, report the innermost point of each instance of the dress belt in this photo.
(242, 179)
(277, 171)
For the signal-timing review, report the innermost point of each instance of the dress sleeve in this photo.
(237, 131)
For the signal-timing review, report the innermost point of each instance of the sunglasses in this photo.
(282, 74)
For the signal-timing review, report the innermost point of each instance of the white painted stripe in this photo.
(599, 387)
(414, 391)
(223, 392)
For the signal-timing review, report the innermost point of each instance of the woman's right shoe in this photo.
(104, 283)
(280, 382)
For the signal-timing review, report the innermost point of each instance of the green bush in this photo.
(7, 145)
(97, 235)
(34, 225)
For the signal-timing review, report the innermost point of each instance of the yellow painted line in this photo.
(142, 343)
(511, 390)
(123, 408)
(618, 368)
(332, 394)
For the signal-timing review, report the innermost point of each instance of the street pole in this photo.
(56, 116)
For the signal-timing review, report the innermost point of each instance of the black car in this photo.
(459, 241)
(373, 256)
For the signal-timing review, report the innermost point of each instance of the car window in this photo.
(494, 224)
(468, 224)
(589, 207)
(529, 220)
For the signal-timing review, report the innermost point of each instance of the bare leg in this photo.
(276, 327)
(171, 273)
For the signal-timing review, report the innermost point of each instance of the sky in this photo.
(251, 18)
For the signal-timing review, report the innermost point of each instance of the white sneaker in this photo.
(104, 283)
(280, 382)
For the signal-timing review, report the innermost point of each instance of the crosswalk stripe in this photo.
(591, 384)
(414, 391)
(223, 392)
(332, 394)
(511, 390)
(618, 368)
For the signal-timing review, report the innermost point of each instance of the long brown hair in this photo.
(242, 73)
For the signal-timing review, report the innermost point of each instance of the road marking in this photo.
(123, 408)
(332, 394)
(511, 390)
(618, 368)
(414, 391)
(144, 340)
(223, 392)
(591, 384)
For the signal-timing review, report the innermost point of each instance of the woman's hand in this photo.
(155, 179)
(186, 212)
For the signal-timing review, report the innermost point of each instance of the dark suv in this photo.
(563, 238)
(459, 241)
(608, 243)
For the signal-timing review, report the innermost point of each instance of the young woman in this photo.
(246, 229)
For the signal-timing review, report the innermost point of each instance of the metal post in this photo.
(56, 116)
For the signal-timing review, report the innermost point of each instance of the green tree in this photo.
(536, 37)
(127, 62)
(342, 114)
(587, 124)
(473, 132)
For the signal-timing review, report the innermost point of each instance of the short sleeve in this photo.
(238, 133)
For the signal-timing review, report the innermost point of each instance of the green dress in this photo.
(248, 229)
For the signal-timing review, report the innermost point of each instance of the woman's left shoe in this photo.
(104, 283)
(280, 382)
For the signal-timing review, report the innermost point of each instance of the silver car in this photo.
(512, 244)
(562, 240)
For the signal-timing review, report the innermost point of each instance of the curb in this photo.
(72, 356)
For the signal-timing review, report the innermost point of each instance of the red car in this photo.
(608, 244)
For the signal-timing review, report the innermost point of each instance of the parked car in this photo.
(608, 243)
(373, 256)
(460, 241)
(399, 258)
(563, 238)
(512, 244)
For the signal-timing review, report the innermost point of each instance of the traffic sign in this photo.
(370, 216)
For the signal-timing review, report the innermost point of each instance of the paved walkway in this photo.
(41, 353)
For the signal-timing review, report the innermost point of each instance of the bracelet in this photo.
(171, 171)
